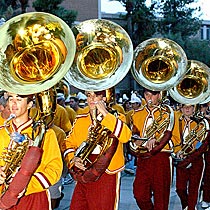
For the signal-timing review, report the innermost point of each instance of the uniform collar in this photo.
(22, 127)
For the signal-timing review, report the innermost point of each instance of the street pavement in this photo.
(127, 201)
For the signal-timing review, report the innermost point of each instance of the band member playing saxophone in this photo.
(192, 132)
(40, 167)
(152, 128)
(97, 182)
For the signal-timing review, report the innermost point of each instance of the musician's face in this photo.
(93, 98)
(18, 105)
(152, 98)
(187, 110)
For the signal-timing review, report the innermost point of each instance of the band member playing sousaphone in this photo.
(36, 51)
(191, 129)
(96, 170)
(152, 128)
(28, 167)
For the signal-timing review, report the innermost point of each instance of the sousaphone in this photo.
(159, 64)
(36, 51)
(103, 56)
(194, 87)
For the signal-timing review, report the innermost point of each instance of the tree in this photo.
(176, 17)
(6, 9)
(198, 50)
(18, 6)
(143, 24)
(53, 7)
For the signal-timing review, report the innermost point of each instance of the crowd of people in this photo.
(146, 137)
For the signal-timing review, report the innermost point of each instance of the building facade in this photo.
(87, 9)
(204, 33)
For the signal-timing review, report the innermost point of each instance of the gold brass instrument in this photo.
(14, 154)
(157, 129)
(98, 136)
(159, 64)
(36, 51)
(195, 138)
(194, 87)
(103, 58)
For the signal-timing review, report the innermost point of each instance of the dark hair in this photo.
(29, 97)
(125, 102)
(102, 92)
(3, 101)
(204, 105)
(154, 92)
(74, 98)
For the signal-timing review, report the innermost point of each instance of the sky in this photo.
(116, 6)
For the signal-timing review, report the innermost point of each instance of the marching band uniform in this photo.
(48, 172)
(206, 175)
(55, 190)
(206, 181)
(71, 114)
(189, 171)
(104, 192)
(61, 118)
(153, 173)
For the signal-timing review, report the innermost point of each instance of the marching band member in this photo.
(190, 163)
(153, 172)
(4, 110)
(206, 176)
(98, 186)
(40, 168)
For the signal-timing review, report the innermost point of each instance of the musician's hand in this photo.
(179, 155)
(78, 163)
(138, 142)
(101, 107)
(150, 144)
(2, 174)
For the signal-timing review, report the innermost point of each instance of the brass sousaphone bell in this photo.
(159, 64)
(103, 56)
(194, 87)
(36, 51)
